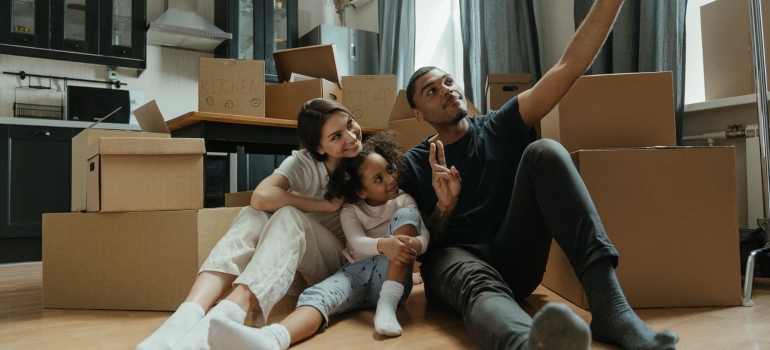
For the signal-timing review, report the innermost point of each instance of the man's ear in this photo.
(417, 115)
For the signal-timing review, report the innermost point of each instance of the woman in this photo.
(289, 227)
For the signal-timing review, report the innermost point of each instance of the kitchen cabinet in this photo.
(35, 179)
(259, 27)
(253, 168)
(110, 32)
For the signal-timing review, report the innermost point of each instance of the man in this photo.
(490, 240)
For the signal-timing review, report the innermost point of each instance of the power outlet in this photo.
(112, 74)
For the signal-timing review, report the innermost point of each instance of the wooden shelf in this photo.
(194, 117)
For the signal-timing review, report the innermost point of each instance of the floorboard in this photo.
(25, 325)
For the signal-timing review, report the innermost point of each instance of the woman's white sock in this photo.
(228, 335)
(197, 337)
(175, 327)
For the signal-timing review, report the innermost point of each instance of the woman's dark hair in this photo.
(345, 181)
(311, 119)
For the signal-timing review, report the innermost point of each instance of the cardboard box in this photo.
(614, 111)
(238, 199)
(411, 131)
(728, 61)
(142, 174)
(231, 86)
(152, 124)
(368, 97)
(127, 261)
(284, 100)
(672, 215)
(500, 88)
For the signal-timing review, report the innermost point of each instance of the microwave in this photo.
(91, 104)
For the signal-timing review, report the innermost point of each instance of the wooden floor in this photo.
(25, 325)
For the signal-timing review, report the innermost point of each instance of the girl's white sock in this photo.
(228, 335)
(197, 337)
(385, 321)
(175, 327)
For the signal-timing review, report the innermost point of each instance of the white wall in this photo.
(555, 28)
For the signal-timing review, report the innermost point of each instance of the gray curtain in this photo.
(397, 39)
(648, 36)
(499, 36)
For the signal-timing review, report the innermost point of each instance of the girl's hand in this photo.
(446, 181)
(396, 251)
(334, 204)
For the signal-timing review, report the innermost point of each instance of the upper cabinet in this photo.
(259, 27)
(108, 32)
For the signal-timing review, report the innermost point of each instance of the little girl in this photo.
(384, 234)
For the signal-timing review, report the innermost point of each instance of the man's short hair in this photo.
(410, 87)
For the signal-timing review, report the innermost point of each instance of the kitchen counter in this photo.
(65, 123)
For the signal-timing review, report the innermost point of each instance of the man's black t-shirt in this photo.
(487, 157)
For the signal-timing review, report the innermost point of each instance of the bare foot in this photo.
(416, 278)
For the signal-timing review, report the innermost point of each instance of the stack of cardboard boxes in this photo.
(137, 233)
(671, 212)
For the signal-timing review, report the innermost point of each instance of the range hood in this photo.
(185, 30)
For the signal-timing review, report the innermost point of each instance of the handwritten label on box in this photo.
(231, 86)
(370, 98)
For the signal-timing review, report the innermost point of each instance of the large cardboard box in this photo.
(672, 215)
(127, 261)
(231, 86)
(502, 87)
(142, 174)
(368, 97)
(614, 111)
(412, 132)
(152, 124)
(728, 61)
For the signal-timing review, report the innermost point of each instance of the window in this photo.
(438, 39)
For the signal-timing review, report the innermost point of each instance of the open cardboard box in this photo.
(411, 131)
(285, 99)
(672, 215)
(614, 111)
(127, 261)
(151, 122)
(368, 97)
(231, 86)
(144, 174)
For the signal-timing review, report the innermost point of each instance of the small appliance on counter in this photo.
(91, 104)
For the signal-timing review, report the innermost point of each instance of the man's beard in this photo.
(460, 115)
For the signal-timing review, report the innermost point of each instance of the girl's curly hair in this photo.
(345, 181)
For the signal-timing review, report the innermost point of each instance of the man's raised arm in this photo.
(535, 103)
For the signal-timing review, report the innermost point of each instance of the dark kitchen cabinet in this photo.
(35, 179)
(253, 168)
(259, 27)
(109, 32)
